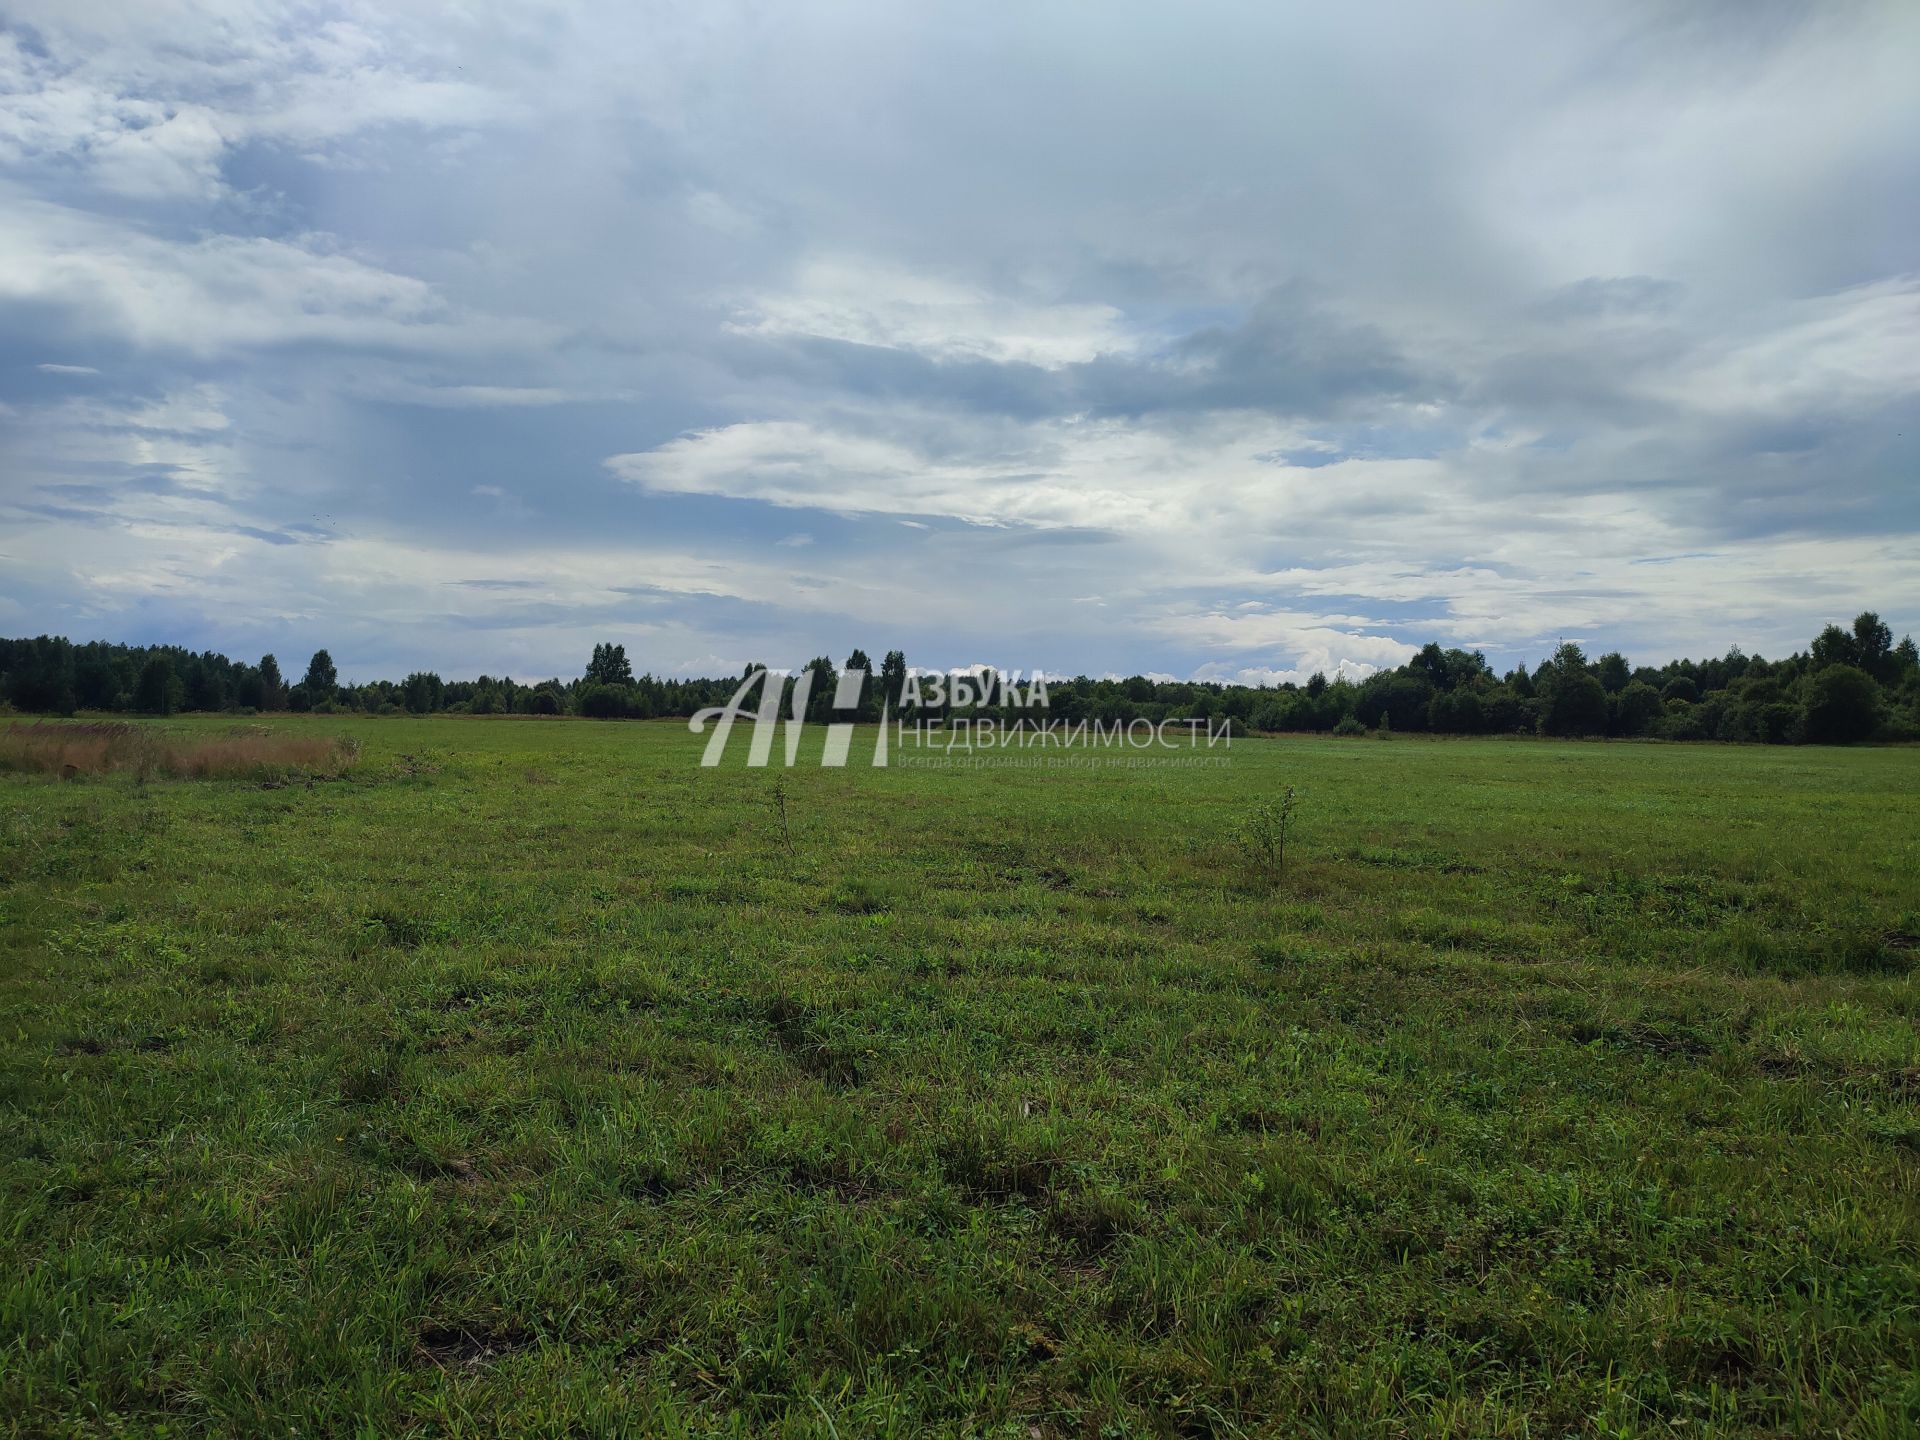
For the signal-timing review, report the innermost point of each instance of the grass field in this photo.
(523, 1081)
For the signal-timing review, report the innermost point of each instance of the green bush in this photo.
(1843, 705)
(1636, 709)
(1681, 722)
(603, 702)
(1263, 833)
(1899, 727)
(1577, 706)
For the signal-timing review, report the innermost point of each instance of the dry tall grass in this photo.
(102, 747)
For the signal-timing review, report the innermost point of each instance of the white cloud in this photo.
(867, 303)
(223, 292)
(184, 436)
(470, 397)
(197, 410)
(95, 97)
(1311, 641)
(175, 154)
(1829, 354)
(1271, 677)
(1112, 475)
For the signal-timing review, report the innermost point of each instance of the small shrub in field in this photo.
(1349, 726)
(1263, 834)
(117, 747)
(779, 802)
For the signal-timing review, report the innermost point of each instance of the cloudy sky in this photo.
(1219, 340)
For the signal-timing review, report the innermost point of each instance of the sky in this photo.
(1222, 341)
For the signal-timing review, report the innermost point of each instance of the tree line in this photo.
(1848, 685)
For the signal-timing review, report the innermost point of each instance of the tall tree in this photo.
(867, 706)
(825, 678)
(1613, 672)
(1568, 657)
(422, 691)
(893, 677)
(322, 679)
(1833, 646)
(1873, 646)
(1431, 663)
(157, 692)
(206, 686)
(41, 676)
(273, 689)
(1906, 657)
(95, 684)
(609, 666)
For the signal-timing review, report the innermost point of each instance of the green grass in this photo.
(523, 1082)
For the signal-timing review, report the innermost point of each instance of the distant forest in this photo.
(1848, 686)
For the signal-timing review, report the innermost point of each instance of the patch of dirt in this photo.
(1682, 1043)
(467, 1347)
